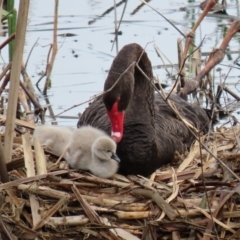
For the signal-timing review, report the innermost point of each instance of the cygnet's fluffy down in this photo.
(87, 148)
(96, 150)
(54, 138)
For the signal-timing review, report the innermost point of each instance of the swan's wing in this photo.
(77, 158)
(167, 122)
(96, 116)
(194, 113)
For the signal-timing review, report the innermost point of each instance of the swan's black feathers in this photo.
(152, 132)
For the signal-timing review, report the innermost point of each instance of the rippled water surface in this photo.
(85, 53)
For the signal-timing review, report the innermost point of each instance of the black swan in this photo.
(86, 148)
(146, 129)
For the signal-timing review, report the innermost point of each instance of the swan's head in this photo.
(105, 160)
(119, 87)
(116, 102)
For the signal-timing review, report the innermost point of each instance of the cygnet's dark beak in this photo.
(115, 157)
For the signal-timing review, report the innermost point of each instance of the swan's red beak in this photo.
(117, 118)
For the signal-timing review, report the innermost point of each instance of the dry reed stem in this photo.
(41, 163)
(29, 179)
(92, 215)
(223, 232)
(44, 191)
(133, 215)
(19, 205)
(31, 96)
(9, 39)
(28, 83)
(181, 62)
(54, 49)
(119, 232)
(190, 35)
(5, 70)
(193, 152)
(29, 164)
(48, 214)
(5, 82)
(17, 122)
(173, 195)
(228, 90)
(29, 117)
(6, 229)
(220, 205)
(159, 54)
(15, 75)
(196, 66)
(116, 204)
(100, 180)
(125, 213)
(155, 196)
(67, 221)
(3, 168)
(163, 176)
(207, 215)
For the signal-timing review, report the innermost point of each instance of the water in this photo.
(84, 58)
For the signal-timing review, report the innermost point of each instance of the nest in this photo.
(196, 199)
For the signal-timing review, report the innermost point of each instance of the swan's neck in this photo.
(96, 157)
(131, 88)
(142, 102)
(141, 105)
